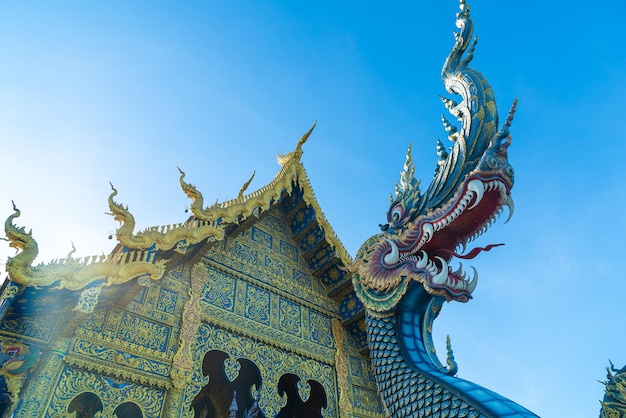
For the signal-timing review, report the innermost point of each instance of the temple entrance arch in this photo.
(128, 410)
(296, 407)
(85, 405)
(215, 399)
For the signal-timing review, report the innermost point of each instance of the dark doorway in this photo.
(214, 400)
(296, 407)
(85, 405)
(128, 410)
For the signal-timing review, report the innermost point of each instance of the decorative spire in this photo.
(408, 190)
(409, 170)
(232, 411)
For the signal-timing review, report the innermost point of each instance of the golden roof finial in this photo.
(295, 155)
(304, 138)
(245, 186)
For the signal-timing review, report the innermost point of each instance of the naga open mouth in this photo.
(424, 251)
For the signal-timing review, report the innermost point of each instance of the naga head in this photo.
(17, 236)
(471, 185)
(119, 212)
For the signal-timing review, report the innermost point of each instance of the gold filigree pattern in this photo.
(88, 299)
(257, 307)
(262, 237)
(366, 399)
(266, 334)
(220, 290)
(272, 362)
(38, 327)
(231, 369)
(276, 268)
(321, 329)
(290, 317)
(299, 290)
(113, 361)
(112, 392)
(143, 332)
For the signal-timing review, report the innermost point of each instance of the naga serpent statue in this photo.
(402, 276)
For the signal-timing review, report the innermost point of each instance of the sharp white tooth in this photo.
(459, 285)
(463, 246)
(443, 275)
(478, 188)
(458, 271)
(511, 205)
(421, 262)
(394, 256)
(472, 285)
(428, 231)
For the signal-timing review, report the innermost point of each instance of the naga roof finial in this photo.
(178, 237)
(304, 137)
(245, 186)
(295, 155)
(70, 274)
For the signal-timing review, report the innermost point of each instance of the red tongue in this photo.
(473, 253)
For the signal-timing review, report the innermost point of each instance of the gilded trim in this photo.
(182, 365)
(70, 273)
(341, 367)
(179, 237)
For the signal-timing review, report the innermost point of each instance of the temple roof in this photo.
(144, 253)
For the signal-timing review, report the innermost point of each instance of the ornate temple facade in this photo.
(253, 308)
(244, 310)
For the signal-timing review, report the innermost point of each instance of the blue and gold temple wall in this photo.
(271, 292)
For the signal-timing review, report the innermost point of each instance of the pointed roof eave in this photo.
(329, 232)
(237, 210)
(291, 173)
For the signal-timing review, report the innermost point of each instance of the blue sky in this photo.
(125, 92)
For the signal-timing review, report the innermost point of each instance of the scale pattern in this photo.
(406, 391)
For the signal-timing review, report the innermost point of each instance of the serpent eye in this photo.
(396, 213)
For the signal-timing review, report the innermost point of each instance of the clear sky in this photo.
(92, 92)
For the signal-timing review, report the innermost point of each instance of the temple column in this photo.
(341, 366)
(174, 403)
(42, 381)
(182, 363)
